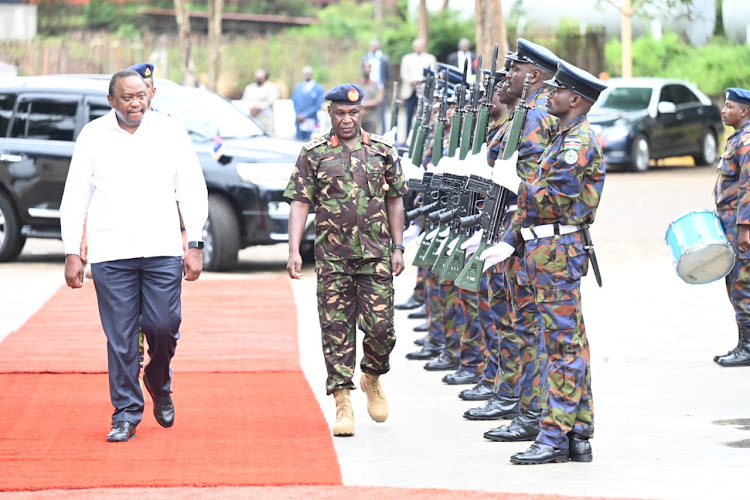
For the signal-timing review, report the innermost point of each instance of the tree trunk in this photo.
(215, 9)
(490, 29)
(444, 7)
(183, 26)
(423, 21)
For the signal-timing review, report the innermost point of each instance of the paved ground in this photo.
(670, 423)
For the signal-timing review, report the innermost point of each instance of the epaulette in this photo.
(381, 139)
(315, 143)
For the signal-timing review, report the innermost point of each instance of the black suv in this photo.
(245, 170)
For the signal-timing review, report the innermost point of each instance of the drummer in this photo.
(733, 208)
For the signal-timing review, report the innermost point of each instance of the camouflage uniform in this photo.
(733, 208)
(565, 190)
(523, 355)
(352, 248)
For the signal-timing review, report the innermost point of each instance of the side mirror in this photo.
(666, 107)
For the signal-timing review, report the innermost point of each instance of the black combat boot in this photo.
(740, 356)
(739, 343)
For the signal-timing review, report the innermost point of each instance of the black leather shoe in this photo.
(539, 453)
(441, 363)
(418, 314)
(411, 303)
(480, 392)
(420, 341)
(738, 357)
(579, 448)
(121, 431)
(421, 328)
(163, 406)
(498, 407)
(462, 376)
(525, 427)
(428, 351)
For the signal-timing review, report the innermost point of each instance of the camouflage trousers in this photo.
(355, 293)
(419, 288)
(494, 316)
(527, 334)
(433, 308)
(738, 289)
(509, 366)
(468, 324)
(450, 312)
(555, 267)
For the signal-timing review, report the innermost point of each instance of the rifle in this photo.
(451, 259)
(417, 116)
(437, 144)
(460, 93)
(424, 121)
(484, 114)
(468, 127)
(494, 201)
(394, 106)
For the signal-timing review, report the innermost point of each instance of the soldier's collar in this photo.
(364, 138)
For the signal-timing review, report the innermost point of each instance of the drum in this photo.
(700, 248)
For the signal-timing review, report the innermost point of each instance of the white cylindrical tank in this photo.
(735, 14)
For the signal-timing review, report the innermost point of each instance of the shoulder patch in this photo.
(381, 139)
(314, 143)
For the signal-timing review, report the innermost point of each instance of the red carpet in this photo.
(246, 428)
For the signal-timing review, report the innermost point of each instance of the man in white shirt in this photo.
(463, 54)
(135, 245)
(412, 72)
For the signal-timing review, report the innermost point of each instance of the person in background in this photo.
(372, 100)
(380, 72)
(412, 68)
(462, 55)
(260, 96)
(307, 97)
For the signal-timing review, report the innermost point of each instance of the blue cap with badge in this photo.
(738, 95)
(146, 70)
(346, 93)
(530, 52)
(579, 81)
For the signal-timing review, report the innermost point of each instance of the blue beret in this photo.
(529, 52)
(146, 70)
(579, 81)
(741, 96)
(346, 93)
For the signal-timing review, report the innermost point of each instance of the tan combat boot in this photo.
(377, 406)
(344, 425)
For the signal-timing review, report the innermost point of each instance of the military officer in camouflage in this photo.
(353, 180)
(555, 207)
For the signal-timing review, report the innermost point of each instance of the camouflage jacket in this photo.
(567, 187)
(733, 185)
(347, 189)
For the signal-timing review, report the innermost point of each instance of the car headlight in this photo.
(268, 175)
(616, 133)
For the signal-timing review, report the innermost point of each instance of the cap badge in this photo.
(353, 95)
(147, 72)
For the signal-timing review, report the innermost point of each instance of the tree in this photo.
(490, 30)
(215, 10)
(423, 21)
(628, 9)
(183, 25)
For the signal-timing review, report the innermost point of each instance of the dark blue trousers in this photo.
(134, 294)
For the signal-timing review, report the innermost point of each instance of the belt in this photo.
(547, 230)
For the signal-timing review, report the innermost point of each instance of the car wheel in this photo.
(640, 154)
(708, 152)
(221, 238)
(11, 239)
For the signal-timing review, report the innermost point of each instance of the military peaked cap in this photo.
(455, 75)
(738, 95)
(146, 70)
(529, 52)
(346, 93)
(579, 81)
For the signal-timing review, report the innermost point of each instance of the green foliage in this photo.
(713, 67)
(346, 21)
(99, 14)
(446, 30)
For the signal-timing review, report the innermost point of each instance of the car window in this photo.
(6, 111)
(626, 98)
(678, 94)
(205, 114)
(44, 118)
(97, 110)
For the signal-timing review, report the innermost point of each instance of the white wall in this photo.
(17, 22)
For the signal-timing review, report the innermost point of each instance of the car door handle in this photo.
(11, 158)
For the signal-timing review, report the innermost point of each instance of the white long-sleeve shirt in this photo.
(125, 185)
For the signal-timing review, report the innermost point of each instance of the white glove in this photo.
(505, 173)
(391, 135)
(411, 171)
(472, 243)
(477, 164)
(450, 165)
(431, 234)
(411, 233)
(452, 245)
(495, 254)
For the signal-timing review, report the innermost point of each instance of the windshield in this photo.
(204, 114)
(625, 98)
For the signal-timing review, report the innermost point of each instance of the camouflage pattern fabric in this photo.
(435, 332)
(419, 291)
(471, 348)
(493, 316)
(507, 380)
(566, 189)
(733, 210)
(351, 293)
(448, 295)
(347, 188)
